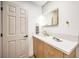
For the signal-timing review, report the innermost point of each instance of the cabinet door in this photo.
(46, 50)
(52, 52)
(38, 48)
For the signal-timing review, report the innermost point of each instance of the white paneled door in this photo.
(14, 30)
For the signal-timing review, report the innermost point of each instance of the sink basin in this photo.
(51, 38)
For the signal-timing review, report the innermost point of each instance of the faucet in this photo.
(57, 39)
(45, 33)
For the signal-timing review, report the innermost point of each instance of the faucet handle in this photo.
(45, 33)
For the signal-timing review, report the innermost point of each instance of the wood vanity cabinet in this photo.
(44, 50)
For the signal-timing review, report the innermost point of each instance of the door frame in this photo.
(1, 29)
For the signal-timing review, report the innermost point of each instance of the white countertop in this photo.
(66, 46)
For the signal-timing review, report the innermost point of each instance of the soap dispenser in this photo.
(37, 28)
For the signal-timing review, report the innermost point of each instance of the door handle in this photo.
(26, 36)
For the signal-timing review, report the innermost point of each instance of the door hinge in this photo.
(1, 35)
(1, 8)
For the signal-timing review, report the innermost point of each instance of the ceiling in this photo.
(40, 3)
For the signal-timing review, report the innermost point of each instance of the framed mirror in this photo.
(51, 18)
